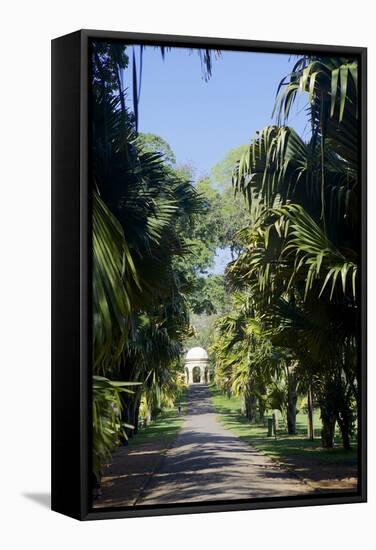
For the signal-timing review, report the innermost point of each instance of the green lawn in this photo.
(296, 451)
(165, 427)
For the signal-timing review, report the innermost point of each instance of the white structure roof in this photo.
(197, 354)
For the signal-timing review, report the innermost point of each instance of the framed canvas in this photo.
(208, 274)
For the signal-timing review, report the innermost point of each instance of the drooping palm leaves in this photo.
(315, 254)
(299, 263)
(140, 306)
(108, 425)
(325, 79)
(114, 277)
(279, 168)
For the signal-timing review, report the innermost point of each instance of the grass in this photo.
(296, 451)
(164, 428)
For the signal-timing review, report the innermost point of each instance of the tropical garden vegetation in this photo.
(295, 325)
(283, 321)
(146, 216)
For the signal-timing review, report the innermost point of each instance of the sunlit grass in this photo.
(165, 427)
(284, 446)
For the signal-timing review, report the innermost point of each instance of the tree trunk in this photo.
(344, 426)
(262, 403)
(261, 408)
(345, 420)
(137, 413)
(328, 419)
(126, 415)
(292, 398)
(250, 403)
(310, 429)
(291, 412)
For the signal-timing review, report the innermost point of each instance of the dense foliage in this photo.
(295, 327)
(141, 206)
(283, 322)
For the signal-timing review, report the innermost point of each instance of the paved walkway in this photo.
(207, 462)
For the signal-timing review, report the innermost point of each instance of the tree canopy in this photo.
(283, 320)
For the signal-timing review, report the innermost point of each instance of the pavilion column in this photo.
(190, 376)
(202, 375)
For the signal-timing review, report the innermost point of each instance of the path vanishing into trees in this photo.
(207, 462)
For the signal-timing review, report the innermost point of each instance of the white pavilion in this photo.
(197, 366)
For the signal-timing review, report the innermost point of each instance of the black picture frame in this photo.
(71, 276)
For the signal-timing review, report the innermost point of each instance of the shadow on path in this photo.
(207, 462)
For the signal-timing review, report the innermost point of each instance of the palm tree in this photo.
(300, 247)
(243, 356)
(140, 306)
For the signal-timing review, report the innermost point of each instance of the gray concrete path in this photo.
(207, 462)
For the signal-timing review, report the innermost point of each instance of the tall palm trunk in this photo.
(329, 407)
(250, 404)
(136, 411)
(291, 410)
(344, 423)
(127, 414)
(328, 428)
(310, 429)
(292, 397)
(261, 404)
(345, 415)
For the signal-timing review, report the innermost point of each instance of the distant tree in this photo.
(155, 144)
(221, 173)
(203, 326)
(234, 212)
(210, 296)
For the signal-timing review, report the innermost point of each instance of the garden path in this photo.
(207, 462)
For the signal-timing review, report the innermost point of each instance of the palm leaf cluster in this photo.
(140, 306)
(108, 425)
(298, 268)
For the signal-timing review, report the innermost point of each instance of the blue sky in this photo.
(203, 120)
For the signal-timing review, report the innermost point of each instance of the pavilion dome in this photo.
(197, 354)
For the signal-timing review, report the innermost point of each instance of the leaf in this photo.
(344, 74)
(334, 84)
